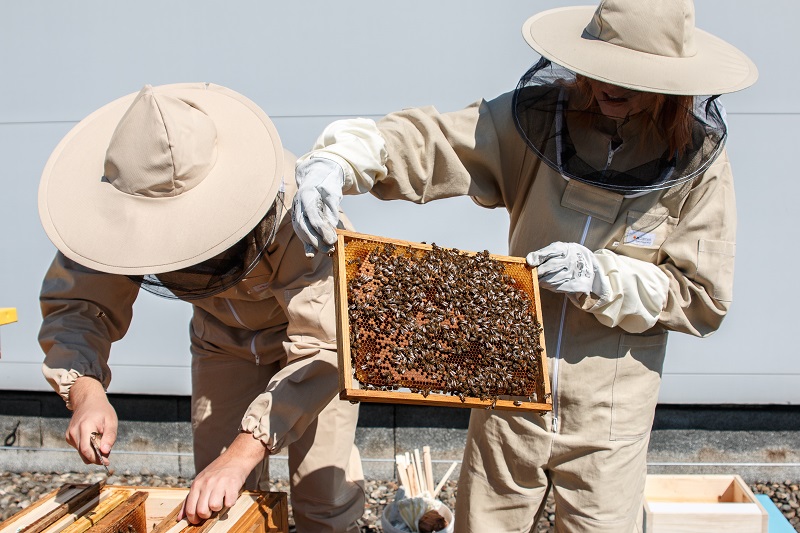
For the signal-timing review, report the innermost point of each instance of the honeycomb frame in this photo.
(353, 390)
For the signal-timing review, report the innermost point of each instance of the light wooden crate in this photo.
(701, 504)
(350, 252)
(83, 508)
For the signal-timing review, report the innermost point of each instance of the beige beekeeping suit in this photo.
(605, 355)
(263, 361)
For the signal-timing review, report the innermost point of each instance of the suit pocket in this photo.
(637, 379)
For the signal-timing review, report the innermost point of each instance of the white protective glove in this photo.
(348, 157)
(316, 204)
(566, 267)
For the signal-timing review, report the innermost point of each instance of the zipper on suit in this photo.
(239, 320)
(612, 150)
(253, 349)
(557, 357)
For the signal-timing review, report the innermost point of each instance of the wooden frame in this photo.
(83, 508)
(701, 503)
(348, 385)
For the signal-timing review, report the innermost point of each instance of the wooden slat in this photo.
(269, 515)
(162, 503)
(128, 517)
(41, 507)
(545, 384)
(349, 235)
(168, 521)
(228, 518)
(277, 518)
(703, 518)
(342, 322)
(171, 525)
(109, 501)
(439, 400)
(74, 503)
(708, 488)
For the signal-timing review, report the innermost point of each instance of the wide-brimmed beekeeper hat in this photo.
(646, 45)
(161, 179)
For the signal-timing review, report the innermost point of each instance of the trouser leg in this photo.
(503, 482)
(327, 482)
(598, 487)
(598, 484)
(222, 389)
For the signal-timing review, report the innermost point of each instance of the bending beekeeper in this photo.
(610, 159)
(182, 190)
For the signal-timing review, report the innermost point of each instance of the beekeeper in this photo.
(182, 190)
(610, 159)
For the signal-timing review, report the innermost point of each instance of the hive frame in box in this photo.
(349, 386)
(100, 508)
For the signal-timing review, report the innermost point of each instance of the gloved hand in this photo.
(619, 290)
(566, 267)
(316, 204)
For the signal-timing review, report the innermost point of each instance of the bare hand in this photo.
(92, 413)
(219, 484)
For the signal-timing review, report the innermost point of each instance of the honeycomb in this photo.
(439, 320)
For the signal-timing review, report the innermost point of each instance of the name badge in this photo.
(258, 288)
(639, 238)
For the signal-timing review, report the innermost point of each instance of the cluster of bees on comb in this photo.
(441, 321)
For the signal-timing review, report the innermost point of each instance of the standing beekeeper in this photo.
(181, 190)
(609, 157)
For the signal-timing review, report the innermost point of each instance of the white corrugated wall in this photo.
(309, 62)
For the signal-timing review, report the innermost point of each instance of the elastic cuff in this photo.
(253, 425)
(68, 380)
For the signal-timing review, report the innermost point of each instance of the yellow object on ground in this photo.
(8, 315)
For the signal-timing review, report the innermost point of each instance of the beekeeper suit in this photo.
(612, 167)
(181, 190)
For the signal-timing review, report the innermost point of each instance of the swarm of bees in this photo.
(441, 321)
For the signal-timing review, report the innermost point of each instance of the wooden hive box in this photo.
(421, 324)
(100, 508)
(701, 504)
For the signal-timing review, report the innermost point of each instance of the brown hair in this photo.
(672, 114)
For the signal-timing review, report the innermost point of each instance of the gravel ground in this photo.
(18, 491)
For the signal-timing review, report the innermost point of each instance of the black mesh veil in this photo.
(222, 271)
(556, 118)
